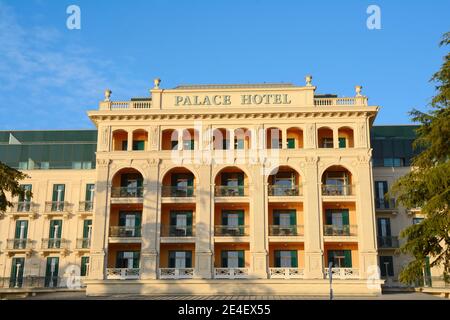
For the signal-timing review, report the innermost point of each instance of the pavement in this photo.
(82, 296)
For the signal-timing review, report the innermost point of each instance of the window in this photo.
(127, 259)
(23, 165)
(238, 143)
(180, 223)
(24, 200)
(45, 165)
(87, 229)
(51, 272)
(286, 259)
(284, 184)
(291, 143)
(124, 145)
(327, 143)
(138, 145)
(233, 259)
(188, 144)
(58, 197)
(84, 266)
(384, 227)
(180, 259)
(284, 218)
(387, 266)
(183, 184)
(337, 222)
(130, 223)
(174, 144)
(16, 277)
(234, 183)
(394, 162)
(340, 258)
(342, 142)
(20, 234)
(381, 187)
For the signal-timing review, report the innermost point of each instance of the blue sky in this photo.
(50, 75)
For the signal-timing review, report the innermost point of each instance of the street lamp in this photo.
(330, 273)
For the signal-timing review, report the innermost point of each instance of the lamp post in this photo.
(330, 274)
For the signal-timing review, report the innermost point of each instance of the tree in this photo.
(427, 186)
(9, 183)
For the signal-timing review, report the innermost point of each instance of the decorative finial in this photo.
(358, 91)
(108, 95)
(156, 82)
(308, 80)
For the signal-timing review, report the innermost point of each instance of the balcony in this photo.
(342, 273)
(85, 208)
(177, 231)
(57, 208)
(24, 209)
(387, 242)
(285, 273)
(55, 245)
(385, 204)
(127, 192)
(125, 232)
(231, 231)
(230, 191)
(337, 190)
(343, 101)
(292, 230)
(122, 273)
(19, 246)
(83, 244)
(230, 273)
(176, 273)
(340, 230)
(177, 192)
(284, 191)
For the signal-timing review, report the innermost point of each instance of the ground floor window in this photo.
(180, 259)
(387, 266)
(286, 259)
(233, 259)
(16, 278)
(340, 258)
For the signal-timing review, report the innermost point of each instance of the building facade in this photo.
(218, 189)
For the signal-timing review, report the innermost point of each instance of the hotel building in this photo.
(210, 189)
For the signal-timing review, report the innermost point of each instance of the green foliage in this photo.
(427, 186)
(9, 183)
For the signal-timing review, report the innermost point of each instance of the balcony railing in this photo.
(285, 273)
(387, 242)
(127, 192)
(337, 190)
(176, 273)
(342, 273)
(38, 282)
(83, 243)
(385, 204)
(177, 231)
(280, 190)
(177, 192)
(228, 191)
(86, 206)
(122, 273)
(340, 230)
(231, 231)
(230, 273)
(343, 101)
(292, 230)
(19, 244)
(58, 206)
(56, 243)
(124, 105)
(24, 206)
(125, 232)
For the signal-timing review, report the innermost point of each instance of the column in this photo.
(203, 223)
(284, 138)
(231, 137)
(99, 245)
(258, 223)
(312, 221)
(335, 138)
(180, 139)
(130, 140)
(365, 212)
(150, 222)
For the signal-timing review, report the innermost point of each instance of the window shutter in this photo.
(86, 225)
(342, 142)
(328, 217)
(136, 256)
(188, 259)
(189, 218)
(276, 218)
(224, 255)
(277, 259)
(291, 143)
(345, 217)
(348, 258)
(122, 218)
(294, 259)
(293, 218)
(138, 223)
(84, 262)
(173, 218)
(172, 259)
(330, 256)
(241, 218)
(241, 260)
(224, 218)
